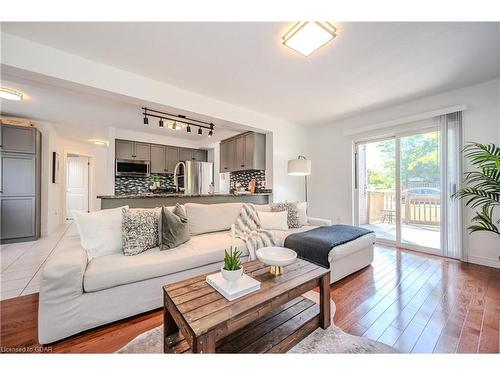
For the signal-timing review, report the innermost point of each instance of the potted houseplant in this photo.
(483, 186)
(232, 268)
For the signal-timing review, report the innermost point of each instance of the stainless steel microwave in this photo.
(132, 168)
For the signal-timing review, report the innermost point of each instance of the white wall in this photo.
(331, 153)
(53, 195)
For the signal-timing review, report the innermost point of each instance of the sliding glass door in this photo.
(420, 190)
(403, 186)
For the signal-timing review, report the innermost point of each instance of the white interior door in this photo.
(77, 184)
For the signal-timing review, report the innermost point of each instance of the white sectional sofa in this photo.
(76, 295)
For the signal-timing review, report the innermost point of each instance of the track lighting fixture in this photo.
(177, 122)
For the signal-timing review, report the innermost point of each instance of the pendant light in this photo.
(146, 121)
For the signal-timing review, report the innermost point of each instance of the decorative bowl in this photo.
(276, 256)
(231, 275)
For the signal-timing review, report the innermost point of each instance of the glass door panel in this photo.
(376, 187)
(420, 187)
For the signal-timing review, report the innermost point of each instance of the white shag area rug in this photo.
(330, 341)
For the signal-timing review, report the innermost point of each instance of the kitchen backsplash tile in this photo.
(244, 177)
(127, 185)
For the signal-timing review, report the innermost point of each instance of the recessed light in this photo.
(99, 142)
(10, 94)
(307, 37)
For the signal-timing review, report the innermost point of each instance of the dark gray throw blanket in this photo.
(315, 244)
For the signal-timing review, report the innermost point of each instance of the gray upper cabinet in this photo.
(132, 150)
(244, 152)
(142, 151)
(172, 155)
(18, 139)
(200, 155)
(158, 159)
(163, 158)
(185, 154)
(224, 166)
(124, 149)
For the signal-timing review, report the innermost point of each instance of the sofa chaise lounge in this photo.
(77, 295)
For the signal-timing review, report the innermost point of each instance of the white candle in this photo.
(232, 236)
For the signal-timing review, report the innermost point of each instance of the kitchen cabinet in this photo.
(243, 152)
(200, 155)
(185, 154)
(172, 158)
(163, 158)
(158, 159)
(20, 163)
(18, 139)
(130, 150)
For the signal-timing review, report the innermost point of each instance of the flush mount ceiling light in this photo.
(307, 37)
(10, 94)
(177, 122)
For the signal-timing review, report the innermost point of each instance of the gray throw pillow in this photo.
(292, 215)
(139, 229)
(174, 227)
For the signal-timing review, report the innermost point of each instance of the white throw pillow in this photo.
(302, 211)
(207, 218)
(100, 231)
(274, 220)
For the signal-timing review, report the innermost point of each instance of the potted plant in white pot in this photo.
(232, 269)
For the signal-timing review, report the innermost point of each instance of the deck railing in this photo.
(415, 209)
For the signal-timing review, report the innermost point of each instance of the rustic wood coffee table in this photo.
(197, 319)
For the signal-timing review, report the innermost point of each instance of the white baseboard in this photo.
(484, 261)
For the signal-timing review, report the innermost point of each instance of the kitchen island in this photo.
(149, 200)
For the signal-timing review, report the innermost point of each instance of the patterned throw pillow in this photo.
(293, 212)
(139, 229)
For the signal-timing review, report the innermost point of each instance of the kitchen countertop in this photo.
(174, 195)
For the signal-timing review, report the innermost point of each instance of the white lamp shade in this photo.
(299, 167)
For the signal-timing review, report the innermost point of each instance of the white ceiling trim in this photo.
(406, 119)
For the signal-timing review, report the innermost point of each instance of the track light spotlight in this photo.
(146, 121)
(188, 129)
(200, 132)
(210, 133)
(160, 123)
(174, 125)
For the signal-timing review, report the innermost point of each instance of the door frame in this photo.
(90, 190)
(396, 135)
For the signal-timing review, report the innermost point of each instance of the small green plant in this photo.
(232, 260)
(154, 178)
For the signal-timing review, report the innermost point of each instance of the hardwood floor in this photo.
(415, 302)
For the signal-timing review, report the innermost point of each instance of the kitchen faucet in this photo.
(176, 177)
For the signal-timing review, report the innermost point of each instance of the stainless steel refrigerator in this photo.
(198, 176)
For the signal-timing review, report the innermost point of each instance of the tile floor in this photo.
(21, 263)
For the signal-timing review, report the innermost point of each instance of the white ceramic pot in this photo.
(231, 275)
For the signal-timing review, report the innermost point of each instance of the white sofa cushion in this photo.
(273, 220)
(302, 211)
(206, 218)
(118, 269)
(262, 207)
(100, 231)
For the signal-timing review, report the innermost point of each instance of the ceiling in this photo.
(368, 65)
(77, 115)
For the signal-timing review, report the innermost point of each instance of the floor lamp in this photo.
(300, 167)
